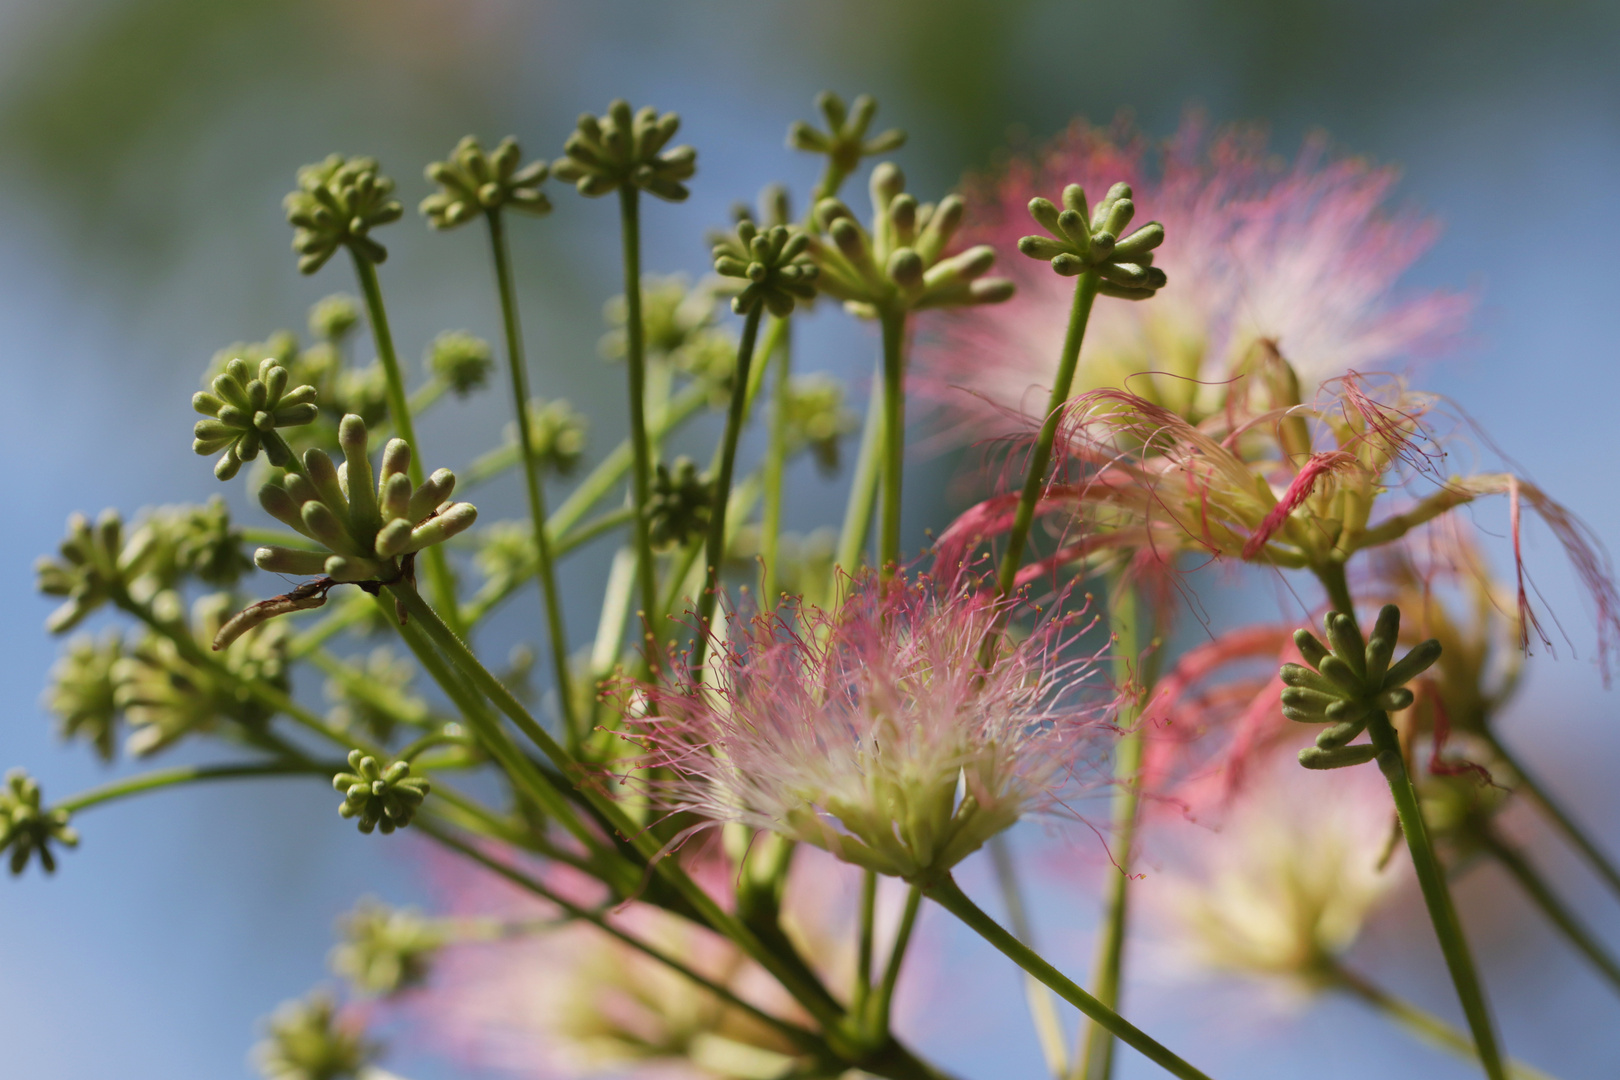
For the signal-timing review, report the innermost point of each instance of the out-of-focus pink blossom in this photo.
(876, 731)
(1304, 255)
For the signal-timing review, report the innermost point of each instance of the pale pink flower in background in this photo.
(1306, 255)
(876, 732)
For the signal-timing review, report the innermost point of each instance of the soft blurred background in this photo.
(144, 148)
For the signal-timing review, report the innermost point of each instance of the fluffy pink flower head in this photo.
(1305, 256)
(876, 731)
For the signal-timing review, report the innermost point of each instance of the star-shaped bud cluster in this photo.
(900, 262)
(557, 433)
(27, 829)
(775, 263)
(462, 360)
(309, 1040)
(83, 691)
(385, 950)
(474, 183)
(379, 797)
(93, 564)
(1347, 683)
(844, 141)
(626, 150)
(817, 418)
(337, 204)
(1079, 241)
(679, 507)
(243, 412)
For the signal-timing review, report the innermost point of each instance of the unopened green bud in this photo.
(1077, 243)
(461, 360)
(26, 828)
(775, 264)
(244, 408)
(337, 204)
(334, 317)
(472, 182)
(384, 950)
(1314, 757)
(83, 691)
(93, 565)
(844, 141)
(308, 1040)
(625, 150)
(679, 508)
(379, 796)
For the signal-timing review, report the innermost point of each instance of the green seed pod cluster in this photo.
(389, 676)
(380, 797)
(83, 691)
(365, 525)
(337, 204)
(27, 829)
(93, 564)
(1079, 240)
(1349, 682)
(681, 498)
(557, 433)
(307, 1040)
(474, 183)
(333, 318)
(243, 412)
(166, 698)
(775, 263)
(844, 142)
(461, 360)
(383, 950)
(625, 150)
(901, 261)
(817, 418)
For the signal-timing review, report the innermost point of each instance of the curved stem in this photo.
(1431, 878)
(1560, 817)
(883, 1001)
(894, 437)
(1558, 913)
(775, 465)
(864, 944)
(1040, 456)
(948, 895)
(192, 774)
(641, 448)
(715, 548)
(534, 487)
(1042, 1005)
(399, 409)
(863, 485)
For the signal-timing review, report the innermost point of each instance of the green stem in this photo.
(1558, 814)
(864, 944)
(1558, 913)
(1425, 1026)
(883, 1002)
(399, 409)
(948, 895)
(1042, 1005)
(192, 774)
(775, 466)
(715, 548)
(1040, 457)
(641, 447)
(531, 475)
(863, 486)
(894, 437)
(1431, 878)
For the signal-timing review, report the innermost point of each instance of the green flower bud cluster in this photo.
(817, 419)
(775, 263)
(166, 698)
(191, 542)
(383, 950)
(625, 150)
(390, 675)
(27, 829)
(307, 1040)
(901, 262)
(378, 796)
(557, 433)
(775, 208)
(94, 564)
(365, 525)
(681, 498)
(333, 318)
(506, 554)
(1079, 241)
(83, 691)
(462, 360)
(244, 412)
(844, 142)
(337, 204)
(476, 183)
(1349, 682)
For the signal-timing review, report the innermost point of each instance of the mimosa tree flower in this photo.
(876, 731)
(1305, 255)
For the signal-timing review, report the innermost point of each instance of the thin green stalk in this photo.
(192, 774)
(863, 485)
(1042, 1005)
(864, 944)
(1431, 877)
(715, 548)
(535, 489)
(1542, 895)
(948, 895)
(1424, 1026)
(883, 1001)
(1560, 817)
(775, 466)
(399, 410)
(1040, 457)
(1096, 1060)
(894, 437)
(641, 447)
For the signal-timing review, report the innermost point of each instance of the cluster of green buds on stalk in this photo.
(337, 204)
(1079, 241)
(775, 263)
(244, 410)
(309, 1040)
(385, 797)
(625, 149)
(474, 182)
(681, 500)
(384, 950)
(27, 828)
(1347, 683)
(844, 142)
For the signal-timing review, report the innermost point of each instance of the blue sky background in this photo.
(144, 148)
